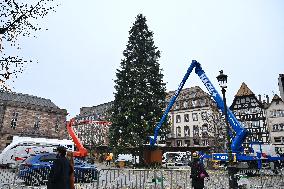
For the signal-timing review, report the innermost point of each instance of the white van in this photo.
(176, 158)
(23, 147)
(127, 157)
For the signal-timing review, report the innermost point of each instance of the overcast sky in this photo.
(79, 53)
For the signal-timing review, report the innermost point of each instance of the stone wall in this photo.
(51, 122)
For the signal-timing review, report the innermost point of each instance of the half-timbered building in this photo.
(250, 111)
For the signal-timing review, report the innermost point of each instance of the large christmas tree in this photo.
(140, 90)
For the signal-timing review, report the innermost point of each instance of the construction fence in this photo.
(147, 179)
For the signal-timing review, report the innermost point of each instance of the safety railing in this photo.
(38, 178)
(143, 179)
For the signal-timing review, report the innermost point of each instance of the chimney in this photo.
(259, 98)
(267, 99)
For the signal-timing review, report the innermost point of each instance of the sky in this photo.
(79, 53)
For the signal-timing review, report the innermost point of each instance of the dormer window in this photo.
(194, 103)
(185, 104)
(202, 102)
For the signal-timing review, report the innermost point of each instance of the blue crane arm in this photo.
(171, 103)
(240, 131)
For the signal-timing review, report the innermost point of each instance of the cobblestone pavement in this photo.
(111, 177)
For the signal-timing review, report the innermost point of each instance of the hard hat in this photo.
(195, 154)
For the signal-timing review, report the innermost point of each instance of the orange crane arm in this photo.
(82, 151)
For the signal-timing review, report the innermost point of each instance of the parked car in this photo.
(35, 170)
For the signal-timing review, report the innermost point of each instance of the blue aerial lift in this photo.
(237, 132)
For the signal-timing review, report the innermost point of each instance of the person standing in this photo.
(59, 177)
(108, 159)
(198, 172)
(71, 161)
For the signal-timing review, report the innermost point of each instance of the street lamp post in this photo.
(233, 184)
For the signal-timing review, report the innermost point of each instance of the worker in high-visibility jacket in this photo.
(108, 158)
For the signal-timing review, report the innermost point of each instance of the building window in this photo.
(177, 105)
(196, 141)
(280, 113)
(202, 102)
(238, 101)
(277, 139)
(178, 132)
(247, 100)
(204, 127)
(187, 143)
(170, 119)
(57, 122)
(186, 117)
(186, 131)
(275, 127)
(179, 142)
(36, 123)
(205, 131)
(14, 120)
(194, 103)
(195, 131)
(273, 113)
(203, 115)
(277, 113)
(178, 119)
(185, 104)
(281, 126)
(205, 143)
(278, 127)
(194, 117)
(255, 124)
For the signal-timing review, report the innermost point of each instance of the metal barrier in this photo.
(265, 178)
(144, 179)
(37, 178)
(155, 179)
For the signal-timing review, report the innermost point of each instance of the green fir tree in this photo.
(140, 91)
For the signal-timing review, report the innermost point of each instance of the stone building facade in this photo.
(193, 119)
(26, 115)
(275, 123)
(251, 112)
(96, 133)
(99, 112)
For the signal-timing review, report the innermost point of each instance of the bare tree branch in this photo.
(17, 18)
(10, 67)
